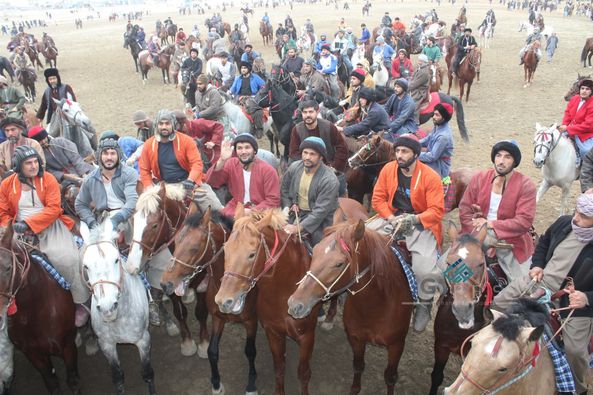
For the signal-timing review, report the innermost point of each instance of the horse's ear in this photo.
(359, 231)
(265, 221)
(453, 232)
(482, 233)
(7, 236)
(207, 216)
(162, 192)
(538, 126)
(535, 333)
(554, 126)
(192, 209)
(239, 210)
(491, 315)
(339, 216)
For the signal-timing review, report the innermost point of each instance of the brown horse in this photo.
(451, 48)
(436, 78)
(33, 55)
(41, 313)
(27, 78)
(164, 36)
(529, 63)
(468, 69)
(266, 32)
(50, 53)
(379, 304)
(574, 88)
(198, 253)
(163, 62)
(587, 52)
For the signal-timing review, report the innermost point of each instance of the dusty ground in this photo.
(101, 72)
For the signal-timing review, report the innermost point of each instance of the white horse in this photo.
(486, 35)
(212, 66)
(555, 155)
(358, 54)
(304, 44)
(381, 74)
(69, 121)
(6, 356)
(119, 307)
(239, 123)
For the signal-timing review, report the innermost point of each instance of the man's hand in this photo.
(189, 185)
(340, 129)
(562, 128)
(406, 223)
(295, 208)
(209, 145)
(20, 227)
(536, 273)
(291, 229)
(226, 150)
(577, 299)
(479, 222)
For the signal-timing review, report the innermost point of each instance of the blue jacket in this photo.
(266, 19)
(387, 51)
(365, 36)
(401, 112)
(255, 82)
(321, 43)
(328, 64)
(375, 120)
(129, 145)
(439, 144)
(246, 58)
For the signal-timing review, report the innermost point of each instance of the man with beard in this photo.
(373, 116)
(249, 179)
(401, 107)
(249, 55)
(193, 67)
(62, 158)
(419, 85)
(503, 200)
(226, 71)
(578, 118)
(466, 43)
(144, 125)
(12, 100)
(438, 144)
(312, 79)
(15, 129)
(337, 150)
(56, 90)
(246, 84)
(208, 100)
(310, 191)
(293, 64)
(328, 66)
(408, 197)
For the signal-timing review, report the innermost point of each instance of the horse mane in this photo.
(523, 312)
(149, 201)
(249, 221)
(468, 238)
(388, 273)
(96, 235)
(195, 220)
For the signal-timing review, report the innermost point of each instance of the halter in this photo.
(120, 284)
(24, 270)
(374, 153)
(480, 287)
(542, 138)
(354, 280)
(271, 259)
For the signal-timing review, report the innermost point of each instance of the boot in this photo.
(153, 307)
(422, 314)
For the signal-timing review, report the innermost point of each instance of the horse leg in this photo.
(394, 354)
(188, 346)
(164, 76)
(564, 197)
(147, 371)
(201, 313)
(117, 374)
(543, 188)
(136, 64)
(469, 87)
(450, 78)
(43, 364)
(305, 351)
(250, 353)
(213, 347)
(71, 361)
(461, 88)
(358, 349)
(277, 344)
(437, 376)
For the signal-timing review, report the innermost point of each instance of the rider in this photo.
(357, 79)
(266, 20)
(236, 35)
(578, 118)
(180, 36)
(209, 133)
(287, 43)
(432, 51)
(385, 51)
(56, 90)
(419, 86)
(365, 35)
(328, 65)
(293, 63)
(401, 108)
(559, 263)
(312, 78)
(226, 71)
(340, 44)
(402, 66)
(248, 83)
(249, 55)
(398, 25)
(321, 43)
(438, 145)
(154, 49)
(280, 31)
(408, 197)
(208, 100)
(310, 191)
(11, 99)
(141, 38)
(144, 125)
(249, 179)
(531, 39)
(504, 200)
(386, 20)
(31, 199)
(373, 115)
(192, 66)
(466, 43)
(309, 26)
(15, 130)
(62, 158)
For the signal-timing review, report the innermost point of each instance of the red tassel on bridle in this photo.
(489, 294)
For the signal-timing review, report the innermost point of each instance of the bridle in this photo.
(354, 280)
(16, 266)
(271, 259)
(152, 249)
(120, 284)
(542, 138)
(374, 153)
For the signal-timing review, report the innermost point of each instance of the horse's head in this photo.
(69, 194)
(545, 141)
(466, 274)
(104, 269)
(575, 87)
(370, 152)
(72, 112)
(246, 253)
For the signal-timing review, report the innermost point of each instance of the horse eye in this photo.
(154, 226)
(502, 370)
(251, 256)
(340, 264)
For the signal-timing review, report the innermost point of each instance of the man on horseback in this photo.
(293, 64)
(408, 198)
(62, 158)
(249, 55)
(266, 20)
(320, 43)
(246, 84)
(280, 31)
(250, 180)
(365, 35)
(155, 49)
(208, 100)
(402, 66)
(15, 131)
(400, 108)
(227, 71)
(56, 90)
(386, 20)
(419, 86)
(180, 36)
(384, 51)
(310, 191)
(578, 118)
(340, 45)
(373, 116)
(31, 199)
(191, 66)
(438, 145)
(144, 125)
(312, 79)
(432, 51)
(236, 37)
(328, 66)
(357, 79)
(309, 26)
(287, 44)
(559, 264)
(503, 200)
(531, 39)
(466, 43)
(12, 100)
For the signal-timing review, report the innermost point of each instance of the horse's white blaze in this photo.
(135, 257)
(462, 252)
(490, 346)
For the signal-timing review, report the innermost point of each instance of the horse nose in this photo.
(226, 305)
(296, 310)
(167, 287)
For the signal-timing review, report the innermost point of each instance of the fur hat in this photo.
(248, 65)
(403, 83)
(106, 142)
(52, 72)
(367, 93)
(325, 46)
(509, 146)
(168, 115)
(202, 79)
(445, 109)
(409, 141)
(586, 82)
(316, 144)
(37, 133)
(246, 138)
(13, 121)
(358, 73)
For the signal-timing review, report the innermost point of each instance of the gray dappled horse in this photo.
(71, 122)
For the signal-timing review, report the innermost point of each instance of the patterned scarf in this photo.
(584, 206)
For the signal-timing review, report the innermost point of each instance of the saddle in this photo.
(256, 115)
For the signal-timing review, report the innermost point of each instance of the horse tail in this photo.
(461, 119)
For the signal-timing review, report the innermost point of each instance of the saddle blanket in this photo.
(564, 379)
(408, 272)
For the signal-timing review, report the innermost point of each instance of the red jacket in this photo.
(516, 211)
(48, 190)
(181, 36)
(207, 131)
(264, 185)
(396, 72)
(579, 123)
(186, 152)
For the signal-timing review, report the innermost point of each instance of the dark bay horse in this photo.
(587, 52)
(379, 303)
(164, 61)
(468, 69)
(135, 49)
(266, 32)
(530, 63)
(27, 79)
(41, 314)
(199, 253)
(33, 55)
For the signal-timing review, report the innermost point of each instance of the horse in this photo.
(436, 77)
(379, 303)
(27, 78)
(460, 310)
(164, 61)
(6, 356)
(135, 50)
(381, 74)
(529, 63)
(240, 121)
(486, 34)
(49, 51)
(508, 356)
(266, 32)
(587, 52)
(199, 253)
(32, 300)
(171, 31)
(260, 256)
(69, 121)
(5, 65)
(555, 154)
(33, 56)
(575, 87)
(468, 69)
(164, 36)
(305, 44)
(119, 307)
(160, 212)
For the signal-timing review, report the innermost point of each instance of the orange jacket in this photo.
(48, 190)
(186, 152)
(426, 195)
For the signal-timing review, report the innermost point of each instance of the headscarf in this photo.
(584, 206)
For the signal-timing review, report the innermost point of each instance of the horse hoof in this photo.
(327, 326)
(219, 391)
(251, 393)
(203, 349)
(92, 346)
(172, 329)
(188, 348)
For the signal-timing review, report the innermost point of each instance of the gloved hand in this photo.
(406, 223)
(188, 185)
(20, 227)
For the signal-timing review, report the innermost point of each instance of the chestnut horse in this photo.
(468, 69)
(164, 61)
(40, 314)
(199, 253)
(266, 32)
(379, 302)
(530, 63)
(587, 52)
